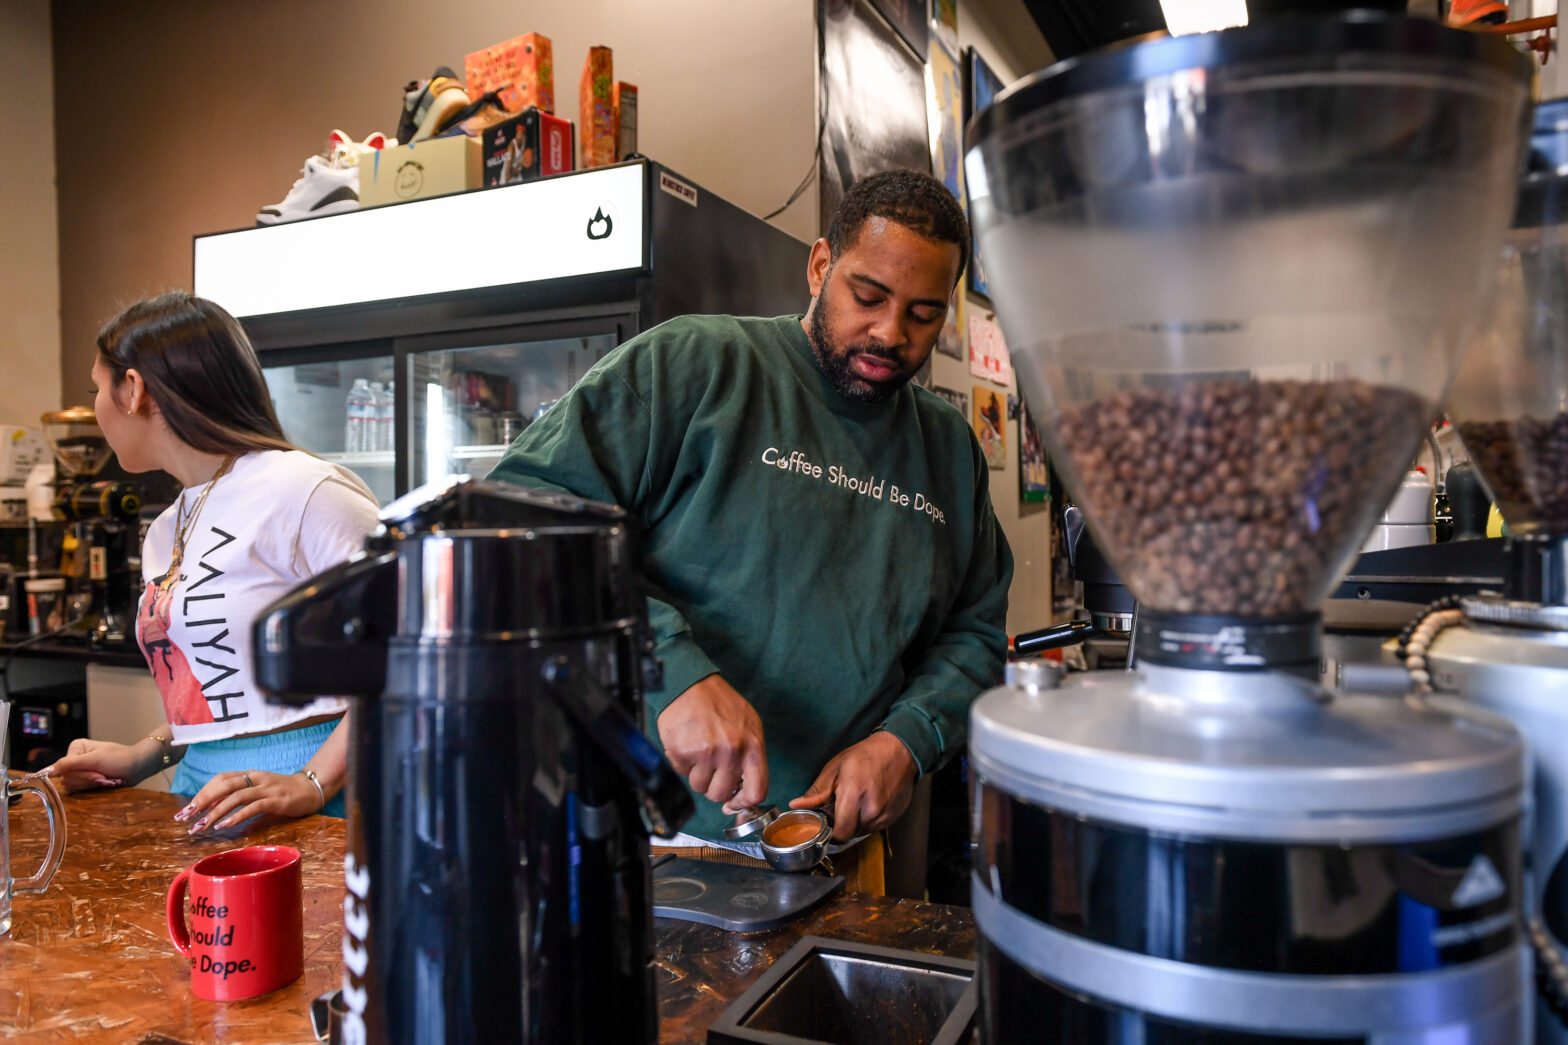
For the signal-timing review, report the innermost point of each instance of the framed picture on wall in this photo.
(909, 18)
(981, 85)
(944, 22)
(960, 400)
(874, 115)
(991, 425)
(1034, 477)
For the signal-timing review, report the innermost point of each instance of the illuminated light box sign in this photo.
(571, 225)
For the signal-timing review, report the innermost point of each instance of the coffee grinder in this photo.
(1509, 651)
(102, 547)
(1234, 270)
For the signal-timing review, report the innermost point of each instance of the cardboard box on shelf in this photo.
(625, 98)
(434, 167)
(532, 145)
(20, 449)
(596, 110)
(520, 68)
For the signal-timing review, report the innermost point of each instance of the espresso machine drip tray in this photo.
(728, 896)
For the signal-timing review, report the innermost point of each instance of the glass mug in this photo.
(41, 786)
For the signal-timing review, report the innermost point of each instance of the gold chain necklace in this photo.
(183, 526)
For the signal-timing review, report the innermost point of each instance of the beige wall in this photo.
(29, 261)
(200, 113)
(1012, 45)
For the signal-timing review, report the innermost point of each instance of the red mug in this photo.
(246, 935)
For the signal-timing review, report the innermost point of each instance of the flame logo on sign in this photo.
(600, 221)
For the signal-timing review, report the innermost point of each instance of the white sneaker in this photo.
(321, 189)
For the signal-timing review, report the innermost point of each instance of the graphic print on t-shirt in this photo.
(187, 699)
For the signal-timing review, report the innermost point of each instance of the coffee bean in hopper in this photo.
(1239, 497)
(1525, 463)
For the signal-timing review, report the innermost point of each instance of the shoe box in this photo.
(596, 110)
(520, 68)
(531, 145)
(419, 170)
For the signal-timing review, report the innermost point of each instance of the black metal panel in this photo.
(435, 313)
(1426, 572)
(1072, 27)
(714, 257)
(1257, 906)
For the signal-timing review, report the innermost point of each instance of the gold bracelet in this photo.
(321, 792)
(163, 742)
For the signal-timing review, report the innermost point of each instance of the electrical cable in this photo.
(822, 123)
(5, 667)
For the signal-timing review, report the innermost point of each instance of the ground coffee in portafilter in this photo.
(1525, 462)
(1235, 497)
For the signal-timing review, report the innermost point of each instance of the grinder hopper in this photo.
(1234, 270)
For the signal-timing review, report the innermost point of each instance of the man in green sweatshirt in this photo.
(831, 579)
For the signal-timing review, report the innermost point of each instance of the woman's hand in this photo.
(229, 798)
(101, 763)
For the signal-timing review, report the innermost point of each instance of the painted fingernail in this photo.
(108, 783)
(185, 814)
(221, 824)
(197, 826)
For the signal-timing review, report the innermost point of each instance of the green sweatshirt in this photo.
(837, 562)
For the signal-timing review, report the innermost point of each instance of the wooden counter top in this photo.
(90, 960)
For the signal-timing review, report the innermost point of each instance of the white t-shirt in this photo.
(276, 519)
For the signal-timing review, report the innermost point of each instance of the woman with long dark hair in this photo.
(178, 388)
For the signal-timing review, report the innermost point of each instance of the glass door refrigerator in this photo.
(417, 340)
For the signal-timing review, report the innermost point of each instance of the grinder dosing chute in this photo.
(1234, 271)
(501, 790)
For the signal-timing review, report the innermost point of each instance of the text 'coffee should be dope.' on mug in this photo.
(245, 935)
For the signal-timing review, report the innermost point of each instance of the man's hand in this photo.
(713, 737)
(871, 781)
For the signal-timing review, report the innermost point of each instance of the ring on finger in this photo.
(247, 779)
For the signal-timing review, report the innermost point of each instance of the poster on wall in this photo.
(988, 355)
(983, 85)
(960, 400)
(944, 108)
(991, 425)
(950, 342)
(875, 101)
(944, 22)
(1034, 477)
(909, 18)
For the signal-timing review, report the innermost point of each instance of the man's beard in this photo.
(834, 362)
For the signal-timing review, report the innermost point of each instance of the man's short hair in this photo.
(914, 199)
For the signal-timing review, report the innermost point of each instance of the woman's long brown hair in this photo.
(200, 369)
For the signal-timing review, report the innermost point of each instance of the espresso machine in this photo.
(1235, 270)
(501, 791)
(1508, 651)
(102, 545)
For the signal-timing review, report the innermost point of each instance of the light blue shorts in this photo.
(283, 752)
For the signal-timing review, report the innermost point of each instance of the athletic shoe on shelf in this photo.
(328, 183)
(430, 106)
